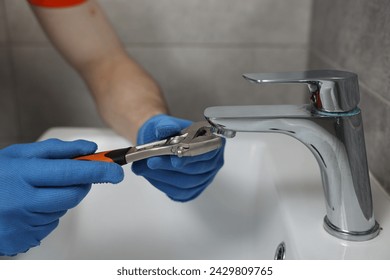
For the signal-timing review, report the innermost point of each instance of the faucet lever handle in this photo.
(331, 91)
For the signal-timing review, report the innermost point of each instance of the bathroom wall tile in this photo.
(2, 23)
(354, 34)
(8, 113)
(190, 77)
(6, 144)
(281, 60)
(194, 78)
(22, 24)
(193, 21)
(211, 21)
(50, 93)
(196, 49)
(376, 117)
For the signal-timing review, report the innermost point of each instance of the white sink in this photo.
(269, 191)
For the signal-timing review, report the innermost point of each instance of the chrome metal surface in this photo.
(280, 253)
(331, 90)
(195, 140)
(351, 235)
(335, 139)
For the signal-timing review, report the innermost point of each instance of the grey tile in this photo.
(22, 24)
(281, 60)
(376, 117)
(50, 93)
(192, 78)
(317, 62)
(2, 23)
(192, 21)
(9, 125)
(195, 78)
(211, 21)
(5, 144)
(354, 35)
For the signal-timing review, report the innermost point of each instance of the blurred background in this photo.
(197, 50)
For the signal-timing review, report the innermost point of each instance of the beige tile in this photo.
(9, 125)
(50, 93)
(211, 21)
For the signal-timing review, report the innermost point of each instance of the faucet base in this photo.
(351, 235)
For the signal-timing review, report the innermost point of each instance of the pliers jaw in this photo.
(198, 139)
(194, 140)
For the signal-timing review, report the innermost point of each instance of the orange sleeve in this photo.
(55, 3)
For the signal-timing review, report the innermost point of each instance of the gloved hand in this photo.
(39, 183)
(184, 178)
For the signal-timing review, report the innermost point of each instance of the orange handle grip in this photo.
(116, 156)
(98, 157)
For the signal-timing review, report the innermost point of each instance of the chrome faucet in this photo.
(330, 126)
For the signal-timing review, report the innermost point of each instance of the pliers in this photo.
(194, 140)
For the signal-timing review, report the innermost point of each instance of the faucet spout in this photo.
(336, 141)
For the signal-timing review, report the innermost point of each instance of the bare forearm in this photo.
(125, 94)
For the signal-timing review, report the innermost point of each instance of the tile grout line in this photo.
(211, 45)
(184, 45)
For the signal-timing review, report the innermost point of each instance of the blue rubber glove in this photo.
(39, 183)
(184, 178)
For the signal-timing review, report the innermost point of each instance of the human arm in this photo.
(125, 95)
